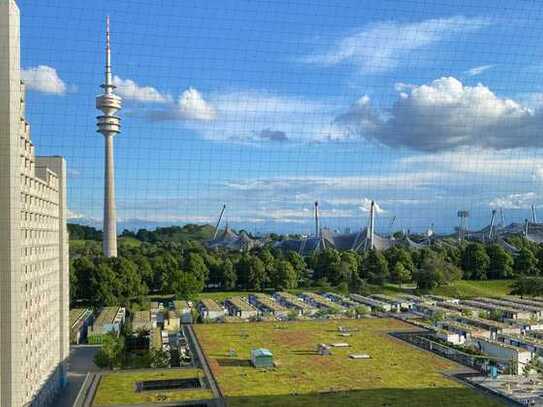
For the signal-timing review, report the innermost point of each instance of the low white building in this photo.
(371, 302)
(239, 307)
(211, 310)
(509, 357)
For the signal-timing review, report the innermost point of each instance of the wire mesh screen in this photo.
(426, 107)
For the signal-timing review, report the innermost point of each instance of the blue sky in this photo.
(267, 106)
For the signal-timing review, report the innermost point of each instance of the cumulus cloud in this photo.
(381, 47)
(130, 90)
(514, 201)
(447, 115)
(479, 70)
(44, 79)
(190, 106)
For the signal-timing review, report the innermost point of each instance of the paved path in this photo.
(219, 399)
(81, 362)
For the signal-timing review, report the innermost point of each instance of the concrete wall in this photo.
(34, 331)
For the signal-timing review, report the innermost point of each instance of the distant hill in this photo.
(161, 234)
(174, 233)
(80, 232)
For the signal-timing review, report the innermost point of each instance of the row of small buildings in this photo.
(510, 340)
(281, 305)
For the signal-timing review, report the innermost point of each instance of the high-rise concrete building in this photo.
(34, 339)
(109, 125)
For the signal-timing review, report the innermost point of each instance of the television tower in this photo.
(109, 125)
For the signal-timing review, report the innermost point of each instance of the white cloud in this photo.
(479, 70)
(130, 90)
(469, 161)
(515, 201)
(44, 79)
(366, 206)
(447, 115)
(192, 106)
(71, 215)
(257, 116)
(381, 47)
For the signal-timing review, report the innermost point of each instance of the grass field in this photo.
(118, 388)
(396, 375)
(467, 288)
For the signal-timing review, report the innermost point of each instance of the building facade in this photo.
(34, 283)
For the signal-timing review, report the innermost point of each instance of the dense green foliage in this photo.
(166, 261)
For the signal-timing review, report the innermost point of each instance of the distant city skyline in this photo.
(426, 109)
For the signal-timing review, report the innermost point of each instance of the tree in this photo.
(525, 262)
(298, 263)
(285, 276)
(130, 282)
(196, 266)
(399, 254)
(475, 262)
(435, 271)
(144, 269)
(243, 267)
(376, 268)
(164, 264)
(104, 285)
(186, 285)
(228, 277)
(400, 274)
(532, 286)
(83, 270)
(257, 277)
(501, 262)
(325, 264)
(111, 353)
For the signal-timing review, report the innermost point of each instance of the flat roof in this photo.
(490, 306)
(240, 303)
(210, 304)
(268, 302)
(323, 301)
(141, 316)
(107, 316)
(76, 314)
(293, 299)
(262, 352)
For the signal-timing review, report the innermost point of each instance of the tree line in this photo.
(186, 268)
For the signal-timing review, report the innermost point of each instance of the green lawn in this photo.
(397, 375)
(118, 388)
(466, 288)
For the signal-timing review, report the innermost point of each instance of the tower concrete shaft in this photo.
(109, 125)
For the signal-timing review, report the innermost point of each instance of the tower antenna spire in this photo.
(109, 124)
(108, 84)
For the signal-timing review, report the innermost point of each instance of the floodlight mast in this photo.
(492, 221)
(219, 222)
(317, 220)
